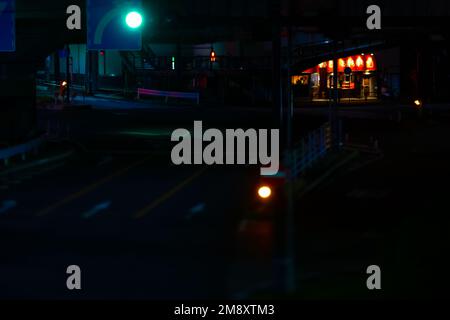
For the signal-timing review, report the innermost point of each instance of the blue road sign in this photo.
(107, 27)
(8, 25)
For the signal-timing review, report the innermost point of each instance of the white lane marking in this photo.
(97, 209)
(199, 208)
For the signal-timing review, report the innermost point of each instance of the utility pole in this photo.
(290, 278)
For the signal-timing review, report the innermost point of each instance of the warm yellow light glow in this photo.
(350, 62)
(418, 103)
(370, 63)
(359, 62)
(264, 192)
(64, 83)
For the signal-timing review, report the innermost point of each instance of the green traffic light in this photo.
(134, 19)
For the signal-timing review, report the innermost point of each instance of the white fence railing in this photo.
(311, 148)
(20, 150)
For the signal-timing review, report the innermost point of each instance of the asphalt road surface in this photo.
(140, 227)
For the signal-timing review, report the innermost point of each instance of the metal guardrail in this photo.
(311, 148)
(169, 94)
(20, 150)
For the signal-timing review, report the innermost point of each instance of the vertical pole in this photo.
(290, 280)
(104, 63)
(86, 72)
(57, 67)
(333, 111)
(277, 105)
(125, 80)
(178, 66)
(68, 77)
(93, 71)
(335, 81)
(89, 72)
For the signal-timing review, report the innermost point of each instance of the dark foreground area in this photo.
(140, 227)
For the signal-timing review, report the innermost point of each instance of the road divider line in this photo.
(144, 211)
(88, 189)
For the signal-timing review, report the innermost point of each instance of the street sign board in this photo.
(7, 25)
(107, 27)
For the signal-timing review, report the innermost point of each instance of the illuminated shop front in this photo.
(360, 81)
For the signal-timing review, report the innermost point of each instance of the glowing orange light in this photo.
(64, 83)
(213, 56)
(311, 70)
(264, 192)
(341, 64)
(350, 62)
(359, 62)
(322, 65)
(330, 66)
(418, 103)
(370, 65)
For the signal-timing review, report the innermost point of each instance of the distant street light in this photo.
(134, 20)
